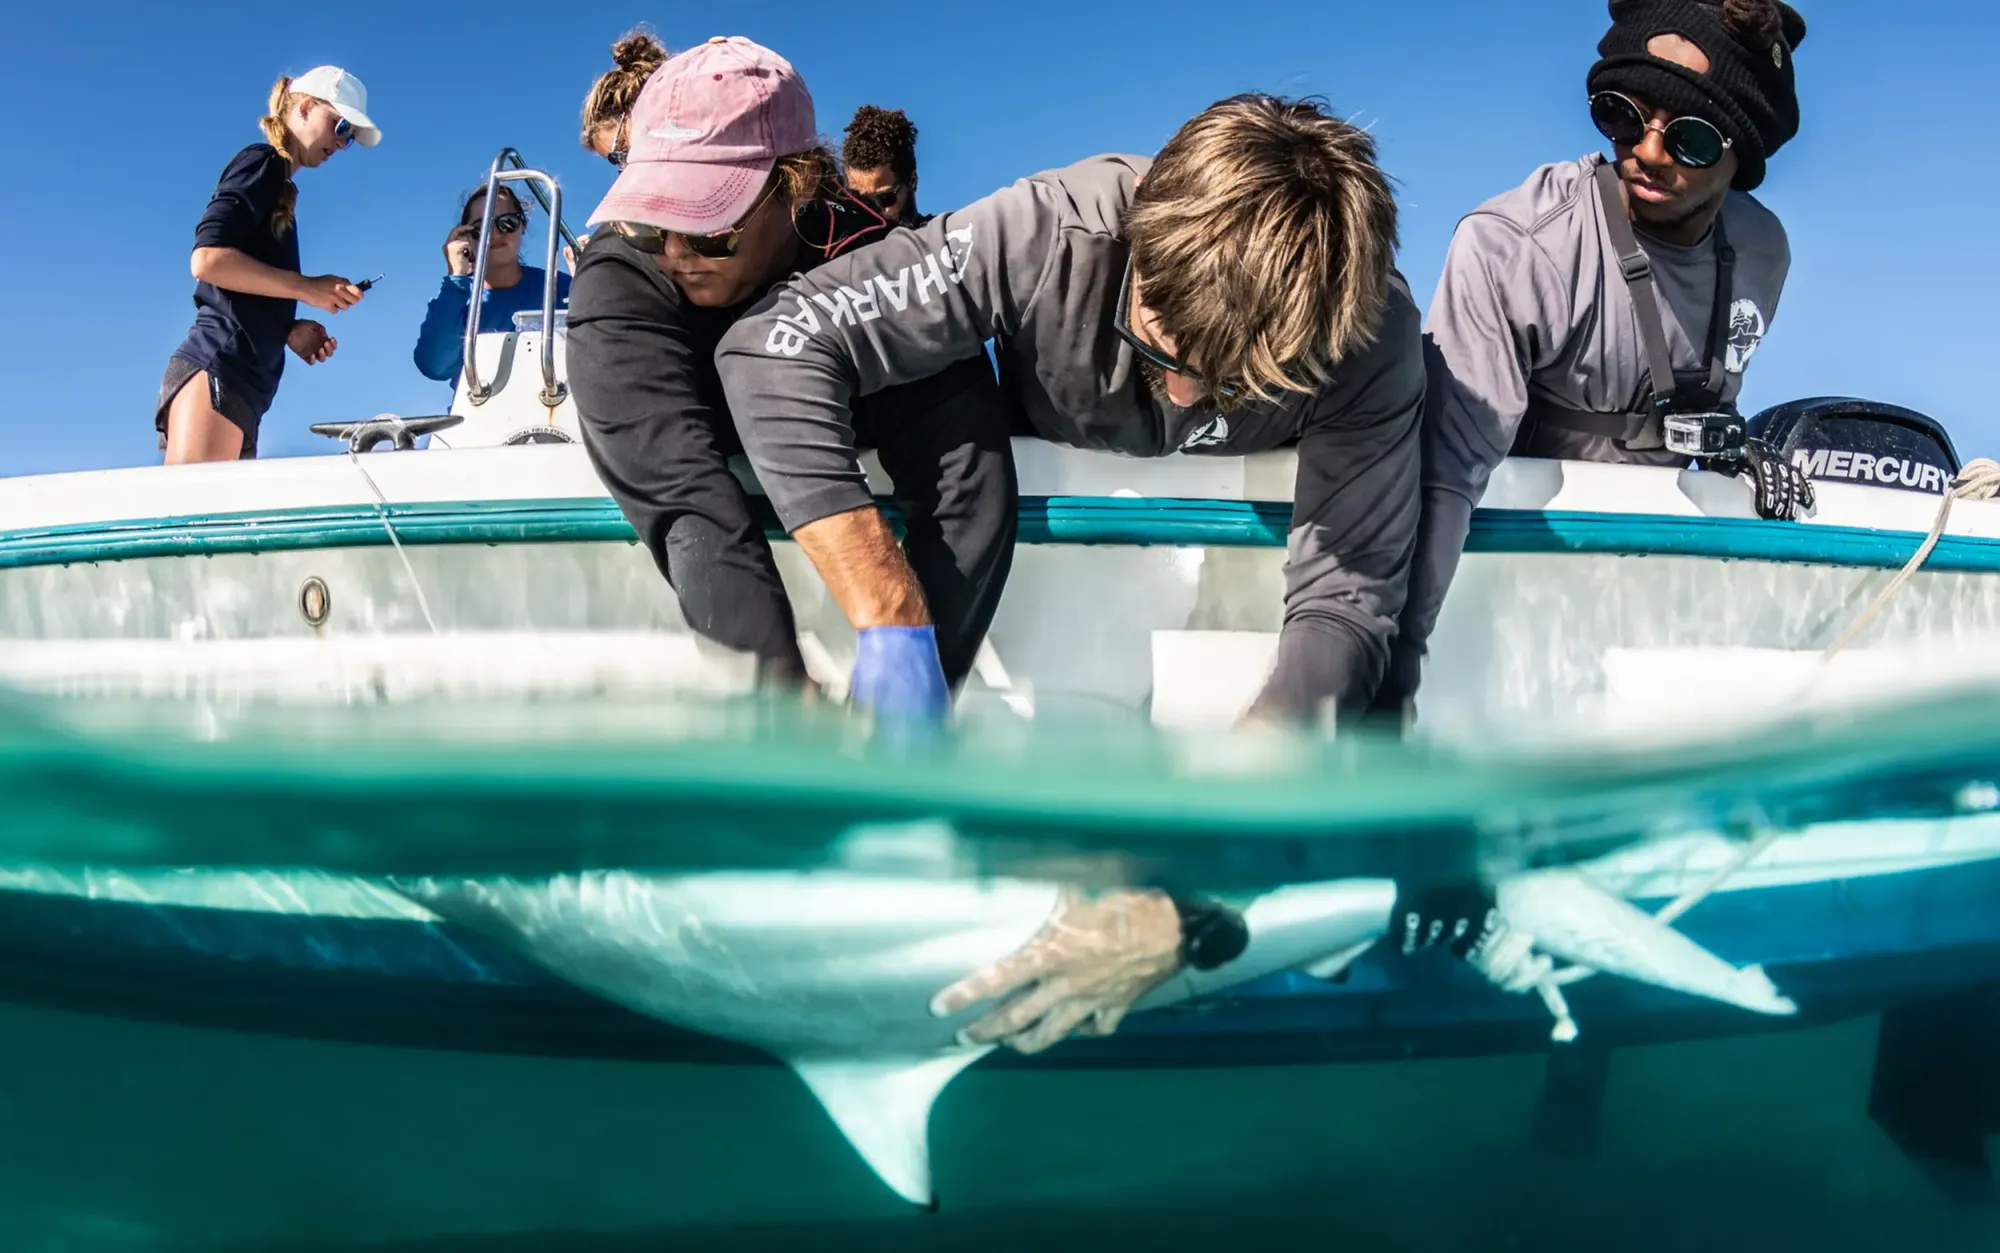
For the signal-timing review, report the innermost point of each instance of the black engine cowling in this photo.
(1840, 439)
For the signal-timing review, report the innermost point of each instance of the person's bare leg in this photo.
(195, 431)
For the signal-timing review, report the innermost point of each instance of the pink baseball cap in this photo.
(704, 135)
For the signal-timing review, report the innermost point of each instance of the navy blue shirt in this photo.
(239, 337)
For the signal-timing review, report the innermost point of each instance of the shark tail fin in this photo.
(884, 1110)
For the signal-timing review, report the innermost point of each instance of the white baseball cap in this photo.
(346, 94)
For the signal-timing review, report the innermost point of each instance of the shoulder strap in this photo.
(1638, 271)
(1718, 316)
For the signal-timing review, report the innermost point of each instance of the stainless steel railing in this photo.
(509, 168)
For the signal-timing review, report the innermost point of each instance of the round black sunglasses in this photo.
(1691, 141)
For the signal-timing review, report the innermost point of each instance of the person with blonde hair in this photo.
(726, 190)
(608, 106)
(223, 377)
(1236, 293)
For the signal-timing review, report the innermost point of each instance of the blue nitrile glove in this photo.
(897, 674)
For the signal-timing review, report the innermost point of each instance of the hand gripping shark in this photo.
(834, 972)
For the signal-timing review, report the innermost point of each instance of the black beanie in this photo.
(1748, 92)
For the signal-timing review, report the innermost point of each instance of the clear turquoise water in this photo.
(536, 787)
(127, 1136)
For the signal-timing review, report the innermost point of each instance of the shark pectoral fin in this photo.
(1754, 990)
(1576, 921)
(1334, 965)
(884, 1110)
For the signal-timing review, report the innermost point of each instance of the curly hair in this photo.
(633, 60)
(878, 137)
(1755, 23)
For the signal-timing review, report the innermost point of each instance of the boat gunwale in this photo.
(1062, 520)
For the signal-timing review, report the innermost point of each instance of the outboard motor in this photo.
(1844, 440)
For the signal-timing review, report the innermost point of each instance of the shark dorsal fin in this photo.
(884, 1110)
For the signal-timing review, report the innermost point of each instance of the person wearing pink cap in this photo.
(222, 378)
(725, 190)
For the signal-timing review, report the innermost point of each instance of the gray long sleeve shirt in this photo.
(1532, 309)
(1037, 268)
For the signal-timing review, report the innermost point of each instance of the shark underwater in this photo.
(833, 972)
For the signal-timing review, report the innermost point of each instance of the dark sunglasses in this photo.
(652, 240)
(344, 131)
(508, 223)
(1691, 141)
(619, 153)
(1121, 322)
(880, 201)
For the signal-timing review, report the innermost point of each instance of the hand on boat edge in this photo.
(1780, 490)
(1082, 972)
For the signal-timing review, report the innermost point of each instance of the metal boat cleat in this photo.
(402, 432)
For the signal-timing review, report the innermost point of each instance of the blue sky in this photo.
(135, 109)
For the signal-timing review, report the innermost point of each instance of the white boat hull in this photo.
(1139, 585)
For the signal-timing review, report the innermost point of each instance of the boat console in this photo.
(512, 390)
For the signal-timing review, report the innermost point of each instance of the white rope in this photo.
(1509, 961)
(382, 510)
(1507, 957)
(1979, 480)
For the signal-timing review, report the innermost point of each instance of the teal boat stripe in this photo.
(1044, 520)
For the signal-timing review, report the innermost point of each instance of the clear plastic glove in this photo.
(1508, 959)
(1083, 971)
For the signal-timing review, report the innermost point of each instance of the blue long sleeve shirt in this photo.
(440, 350)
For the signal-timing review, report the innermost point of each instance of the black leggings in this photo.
(942, 440)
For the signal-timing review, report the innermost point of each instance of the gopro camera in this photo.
(1718, 435)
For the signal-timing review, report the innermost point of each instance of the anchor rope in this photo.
(382, 511)
(1508, 958)
(1979, 480)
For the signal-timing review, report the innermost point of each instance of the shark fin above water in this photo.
(884, 1110)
